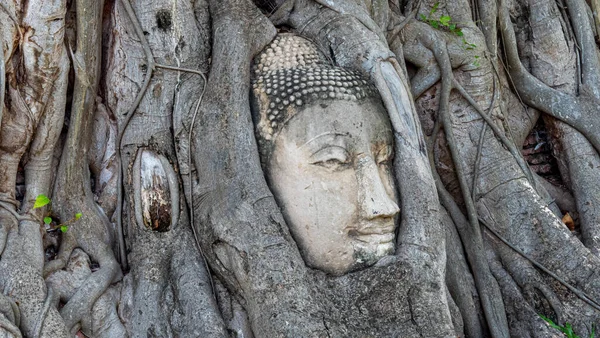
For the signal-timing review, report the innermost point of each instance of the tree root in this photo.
(8, 326)
(151, 65)
(460, 282)
(67, 282)
(581, 158)
(524, 319)
(578, 112)
(487, 288)
(480, 147)
(40, 321)
(10, 310)
(590, 65)
(79, 307)
(447, 201)
(170, 288)
(121, 172)
(579, 293)
(472, 238)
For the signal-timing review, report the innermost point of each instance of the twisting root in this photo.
(394, 31)
(579, 293)
(151, 66)
(191, 194)
(10, 310)
(40, 322)
(493, 310)
(456, 214)
(10, 327)
(480, 145)
(10, 316)
(11, 209)
(505, 141)
(577, 112)
(149, 71)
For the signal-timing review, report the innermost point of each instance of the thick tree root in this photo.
(72, 192)
(101, 321)
(461, 284)
(471, 235)
(167, 290)
(579, 163)
(578, 112)
(525, 321)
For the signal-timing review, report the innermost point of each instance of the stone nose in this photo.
(374, 199)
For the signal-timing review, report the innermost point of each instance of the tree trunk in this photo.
(134, 120)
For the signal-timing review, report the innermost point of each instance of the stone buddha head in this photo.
(326, 148)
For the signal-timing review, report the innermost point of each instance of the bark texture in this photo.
(133, 118)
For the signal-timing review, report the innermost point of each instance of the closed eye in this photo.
(331, 157)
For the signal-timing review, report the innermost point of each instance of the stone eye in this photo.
(331, 157)
(331, 163)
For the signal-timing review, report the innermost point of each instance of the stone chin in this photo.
(367, 255)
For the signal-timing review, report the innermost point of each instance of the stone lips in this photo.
(292, 72)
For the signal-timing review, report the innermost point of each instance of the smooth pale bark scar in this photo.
(156, 191)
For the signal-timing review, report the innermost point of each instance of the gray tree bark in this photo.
(133, 117)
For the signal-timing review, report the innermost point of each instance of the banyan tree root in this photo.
(32, 120)
(579, 161)
(489, 206)
(576, 111)
(103, 319)
(72, 194)
(167, 290)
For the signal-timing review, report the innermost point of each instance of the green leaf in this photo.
(551, 323)
(434, 24)
(41, 201)
(78, 216)
(593, 334)
(452, 27)
(568, 330)
(423, 17)
(47, 220)
(458, 33)
(64, 228)
(445, 20)
(434, 8)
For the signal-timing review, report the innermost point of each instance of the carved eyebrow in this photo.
(330, 134)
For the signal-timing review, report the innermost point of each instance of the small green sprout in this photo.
(43, 200)
(567, 329)
(445, 22)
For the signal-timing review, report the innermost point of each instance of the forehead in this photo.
(364, 120)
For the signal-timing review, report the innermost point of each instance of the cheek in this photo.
(334, 196)
(316, 201)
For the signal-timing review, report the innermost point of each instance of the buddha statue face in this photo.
(328, 163)
(330, 173)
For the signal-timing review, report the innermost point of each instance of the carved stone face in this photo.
(330, 171)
